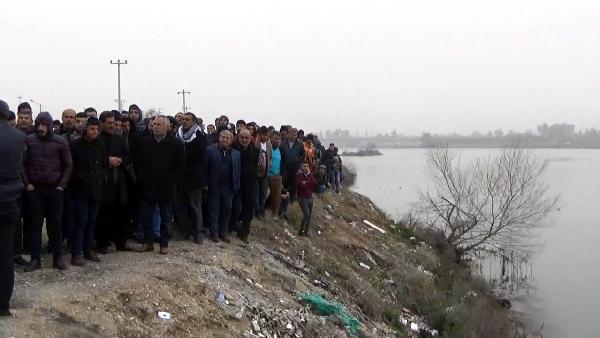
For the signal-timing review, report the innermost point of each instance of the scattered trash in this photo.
(221, 298)
(327, 308)
(417, 324)
(414, 327)
(164, 315)
(240, 314)
(328, 217)
(374, 226)
(249, 281)
(413, 240)
(258, 285)
(255, 326)
(288, 233)
(365, 266)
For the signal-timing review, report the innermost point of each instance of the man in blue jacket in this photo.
(223, 170)
(11, 152)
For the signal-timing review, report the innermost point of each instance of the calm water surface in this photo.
(566, 268)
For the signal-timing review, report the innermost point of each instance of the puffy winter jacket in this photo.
(47, 161)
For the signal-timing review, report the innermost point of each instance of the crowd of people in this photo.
(115, 177)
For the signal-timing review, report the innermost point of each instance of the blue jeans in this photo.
(148, 209)
(220, 202)
(86, 213)
(46, 202)
(338, 175)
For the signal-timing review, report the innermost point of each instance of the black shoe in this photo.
(5, 313)
(58, 263)
(34, 264)
(199, 239)
(214, 239)
(20, 261)
(225, 239)
(300, 233)
(102, 250)
(91, 256)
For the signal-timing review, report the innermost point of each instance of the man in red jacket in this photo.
(48, 167)
(305, 187)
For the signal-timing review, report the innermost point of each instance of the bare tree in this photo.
(497, 202)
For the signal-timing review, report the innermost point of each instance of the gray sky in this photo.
(413, 66)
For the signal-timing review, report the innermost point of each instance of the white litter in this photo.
(365, 266)
(414, 327)
(374, 226)
(164, 315)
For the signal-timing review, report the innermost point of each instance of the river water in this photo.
(565, 296)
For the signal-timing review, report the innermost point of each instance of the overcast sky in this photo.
(413, 66)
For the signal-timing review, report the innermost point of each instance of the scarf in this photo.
(189, 135)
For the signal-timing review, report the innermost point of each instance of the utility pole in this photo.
(119, 63)
(187, 109)
(184, 106)
(32, 101)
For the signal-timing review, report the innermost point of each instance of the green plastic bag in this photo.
(325, 307)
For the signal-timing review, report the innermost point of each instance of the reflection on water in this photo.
(566, 268)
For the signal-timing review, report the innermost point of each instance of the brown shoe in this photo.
(92, 256)
(164, 250)
(145, 248)
(77, 260)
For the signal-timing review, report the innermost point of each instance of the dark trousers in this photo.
(68, 218)
(306, 204)
(18, 233)
(261, 196)
(7, 270)
(86, 212)
(112, 225)
(188, 210)
(148, 207)
(220, 210)
(290, 183)
(46, 202)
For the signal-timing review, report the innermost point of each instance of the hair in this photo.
(164, 118)
(194, 118)
(90, 110)
(105, 115)
(211, 125)
(11, 115)
(172, 120)
(24, 105)
(283, 128)
(240, 122)
(276, 133)
(136, 107)
(306, 162)
(225, 117)
(56, 122)
(301, 131)
(310, 137)
(81, 114)
(262, 130)
(226, 132)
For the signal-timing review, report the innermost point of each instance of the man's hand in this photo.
(114, 161)
(29, 187)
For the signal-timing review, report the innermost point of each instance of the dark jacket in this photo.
(47, 161)
(70, 134)
(262, 171)
(249, 162)
(195, 156)
(90, 168)
(305, 184)
(11, 166)
(159, 165)
(294, 155)
(213, 168)
(327, 159)
(116, 188)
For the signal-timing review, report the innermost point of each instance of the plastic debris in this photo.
(164, 315)
(364, 266)
(374, 226)
(258, 285)
(414, 327)
(324, 307)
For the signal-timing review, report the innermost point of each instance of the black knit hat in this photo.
(91, 121)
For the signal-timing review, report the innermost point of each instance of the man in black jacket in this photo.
(188, 204)
(11, 152)
(113, 214)
(90, 167)
(242, 209)
(294, 154)
(160, 162)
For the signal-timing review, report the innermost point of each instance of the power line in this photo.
(183, 92)
(119, 63)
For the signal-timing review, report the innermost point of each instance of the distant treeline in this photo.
(561, 135)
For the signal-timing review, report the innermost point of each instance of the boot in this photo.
(20, 260)
(57, 263)
(5, 313)
(199, 239)
(244, 238)
(34, 264)
(91, 256)
(164, 250)
(148, 247)
(225, 239)
(214, 238)
(77, 260)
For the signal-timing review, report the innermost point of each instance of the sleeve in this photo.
(67, 164)
(26, 179)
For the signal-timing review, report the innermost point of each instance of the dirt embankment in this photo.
(228, 290)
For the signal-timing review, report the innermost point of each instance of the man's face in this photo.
(92, 132)
(160, 127)
(134, 115)
(263, 138)
(225, 140)
(187, 122)
(309, 141)
(316, 140)
(119, 127)
(108, 126)
(68, 118)
(239, 127)
(12, 123)
(91, 114)
(41, 130)
(244, 137)
(223, 122)
(292, 135)
(210, 129)
(125, 127)
(179, 117)
(79, 122)
(24, 120)
(251, 128)
(275, 140)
